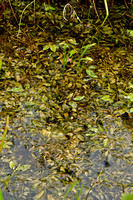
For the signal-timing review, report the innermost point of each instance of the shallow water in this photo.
(59, 155)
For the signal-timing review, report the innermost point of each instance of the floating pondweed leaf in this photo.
(48, 7)
(130, 32)
(73, 104)
(95, 130)
(7, 180)
(80, 137)
(64, 45)
(39, 195)
(107, 30)
(0, 64)
(70, 95)
(105, 142)
(46, 47)
(91, 73)
(130, 96)
(69, 85)
(92, 67)
(73, 41)
(72, 52)
(31, 103)
(47, 84)
(90, 134)
(39, 77)
(53, 47)
(106, 98)
(131, 110)
(7, 145)
(87, 58)
(130, 85)
(23, 168)
(17, 89)
(92, 129)
(12, 165)
(66, 115)
(79, 98)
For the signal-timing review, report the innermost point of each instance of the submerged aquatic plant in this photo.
(78, 192)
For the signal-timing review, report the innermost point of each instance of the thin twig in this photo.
(34, 12)
(13, 11)
(95, 8)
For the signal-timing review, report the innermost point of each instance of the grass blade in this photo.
(4, 134)
(1, 196)
(69, 190)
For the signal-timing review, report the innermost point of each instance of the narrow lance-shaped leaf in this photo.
(82, 54)
(91, 73)
(0, 64)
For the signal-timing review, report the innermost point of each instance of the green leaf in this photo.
(82, 54)
(130, 85)
(79, 98)
(90, 134)
(30, 103)
(127, 197)
(72, 52)
(12, 165)
(46, 47)
(70, 95)
(64, 45)
(130, 96)
(17, 89)
(1, 196)
(69, 190)
(106, 98)
(87, 58)
(107, 30)
(131, 110)
(51, 8)
(53, 47)
(88, 46)
(105, 142)
(48, 7)
(0, 64)
(73, 104)
(23, 167)
(92, 67)
(7, 179)
(95, 130)
(91, 73)
(130, 32)
(73, 41)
